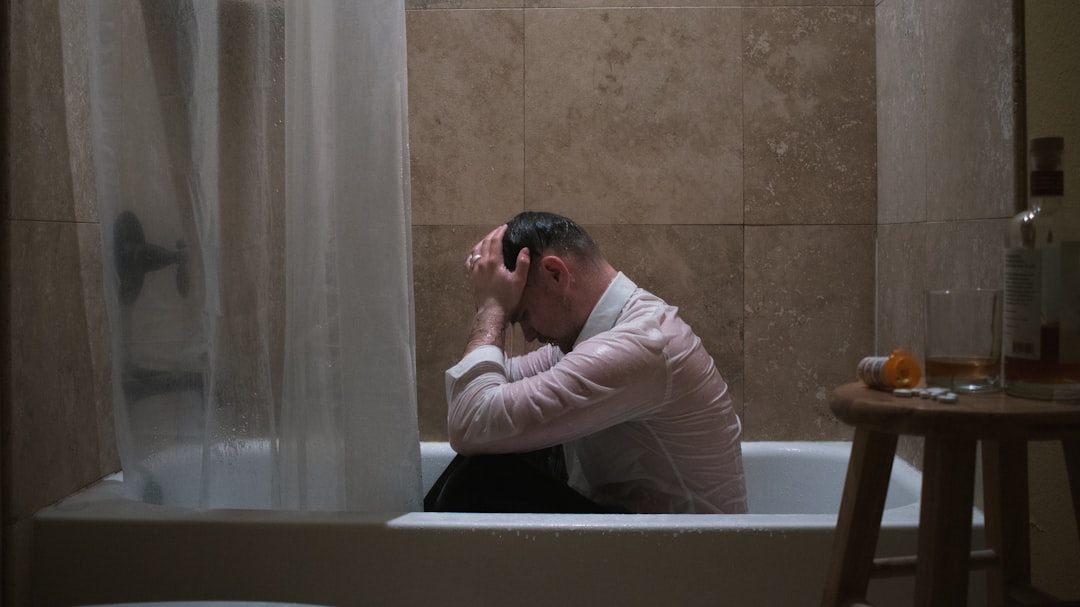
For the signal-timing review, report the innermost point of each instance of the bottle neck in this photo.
(1045, 203)
(1047, 189)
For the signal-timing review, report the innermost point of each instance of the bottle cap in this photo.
(902, 370)
(1048, 144)
(1046, 152)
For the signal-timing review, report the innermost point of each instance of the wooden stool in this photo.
(1004, 424)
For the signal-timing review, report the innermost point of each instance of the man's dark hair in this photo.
(545, 233)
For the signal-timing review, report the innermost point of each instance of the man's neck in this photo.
(594, 283)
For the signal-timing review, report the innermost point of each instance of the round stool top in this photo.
(981, 416)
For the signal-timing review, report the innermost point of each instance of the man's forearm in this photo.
(489, 328)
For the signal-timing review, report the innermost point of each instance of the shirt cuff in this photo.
(481, 354)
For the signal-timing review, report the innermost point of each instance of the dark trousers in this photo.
(512, 482)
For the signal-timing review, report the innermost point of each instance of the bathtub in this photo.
(99, 546)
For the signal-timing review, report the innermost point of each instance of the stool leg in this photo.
(859, 520)
(944, 555)
(1005, 484)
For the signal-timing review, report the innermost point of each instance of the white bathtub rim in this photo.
(105, 502)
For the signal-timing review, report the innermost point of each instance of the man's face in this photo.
(544, 312)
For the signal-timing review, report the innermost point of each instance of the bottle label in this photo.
(1051, 284)
(1042, 289)
(1023, 302)
(871, 371)
(1068, 309)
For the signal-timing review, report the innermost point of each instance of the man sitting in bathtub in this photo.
(643, 418)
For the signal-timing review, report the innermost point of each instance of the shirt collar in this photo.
(607, 309)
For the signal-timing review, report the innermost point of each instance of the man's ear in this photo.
(555, 270)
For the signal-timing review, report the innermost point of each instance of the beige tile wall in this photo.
(949, 178)
(56, 429)
(946, 139)
(723, 156)
(946, 170)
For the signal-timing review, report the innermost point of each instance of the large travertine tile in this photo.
(809, 320)
(970, 126)
(77, 68)
(41, 161)
(444, 312)
(686, 3)
(252, 46)
(698, 269)
(901, 284)
(155, 48)
(630, 3)
(442, 306)
(633, 116)
(809, 112)
(98, 332)
(912, 258)
(466, 4)
(56, 426)
(465, 115)
(810, 2)
(965, 254)
(901, 112)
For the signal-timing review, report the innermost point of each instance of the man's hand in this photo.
(492, 283)
(496, 290)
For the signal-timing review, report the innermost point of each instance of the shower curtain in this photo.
(252, 179)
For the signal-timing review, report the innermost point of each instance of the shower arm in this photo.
(134, 258)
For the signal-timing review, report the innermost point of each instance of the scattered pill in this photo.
(924, 394)
(903, 392)
(947, 398)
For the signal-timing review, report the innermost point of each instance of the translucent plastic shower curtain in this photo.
(252, 179)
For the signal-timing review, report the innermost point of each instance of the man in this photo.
(644, 419)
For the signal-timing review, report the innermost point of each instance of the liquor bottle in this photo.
(1041, 343)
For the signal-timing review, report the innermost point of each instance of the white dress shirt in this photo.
(645, 418)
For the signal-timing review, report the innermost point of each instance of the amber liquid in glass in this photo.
(963, 374)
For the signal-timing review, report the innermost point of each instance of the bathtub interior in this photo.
(804, 478)
(781, 477)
